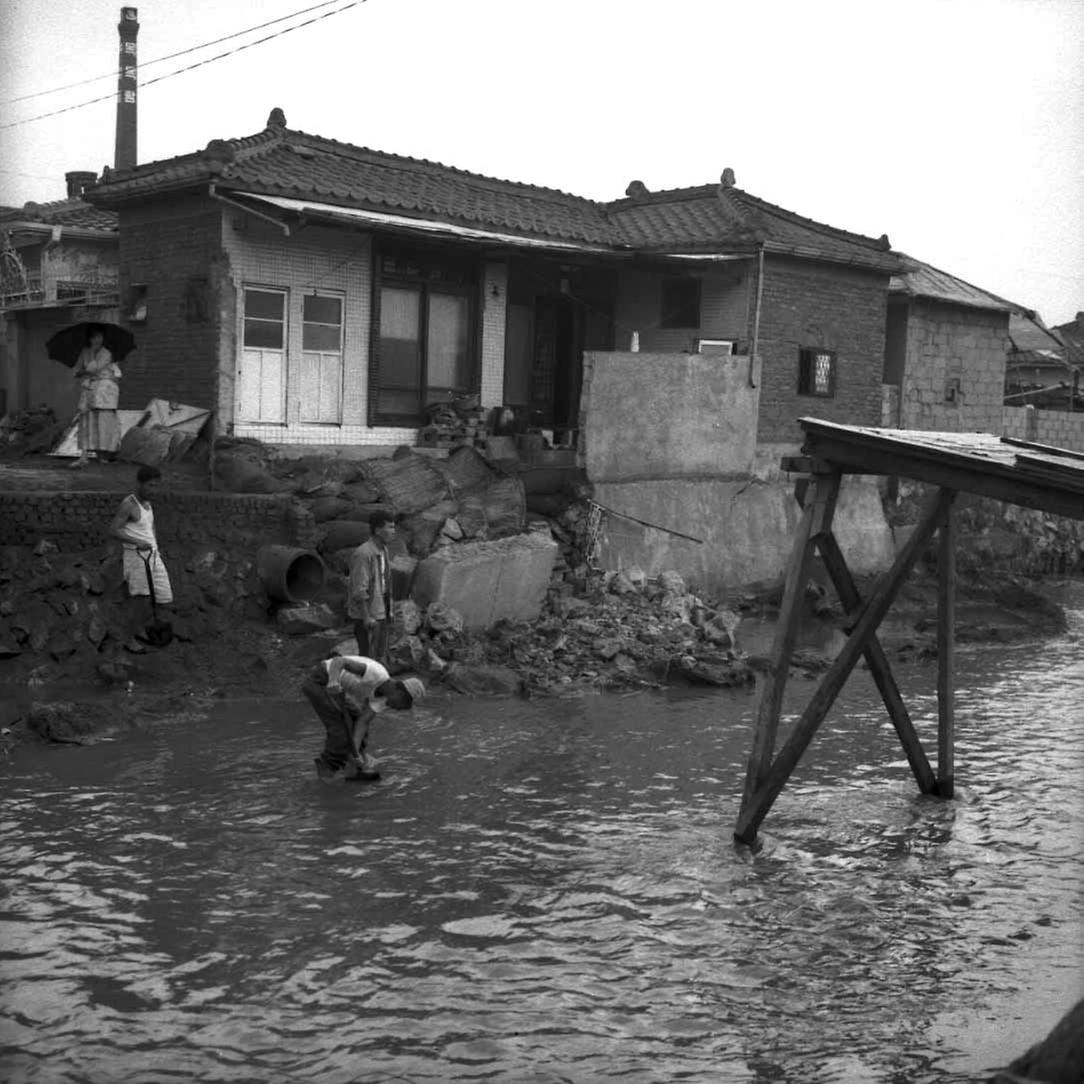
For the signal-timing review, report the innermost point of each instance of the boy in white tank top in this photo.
(134, 526)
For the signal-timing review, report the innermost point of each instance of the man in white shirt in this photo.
(347, 692)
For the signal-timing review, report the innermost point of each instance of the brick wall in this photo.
(75, 521)
(1057, 428)
(724, 310)
(946, 346)
(807, 304)
(174, 250)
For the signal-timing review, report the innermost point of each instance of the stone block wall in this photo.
(1057, 428)
(806, 305)
(954, 370)
(75, 521)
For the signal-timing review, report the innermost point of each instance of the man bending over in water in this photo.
(347, 692)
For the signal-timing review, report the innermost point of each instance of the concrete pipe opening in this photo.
(289, 574)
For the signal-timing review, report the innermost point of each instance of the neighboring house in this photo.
(945, 348)
(1072, 335)
(1044, 365)
(315, 292)
(58, 266)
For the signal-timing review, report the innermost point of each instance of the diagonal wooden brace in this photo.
(755, 807)
(879, 667)
(817, 514)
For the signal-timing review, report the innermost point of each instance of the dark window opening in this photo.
(680, 305)
(817, 372)
(424, 342)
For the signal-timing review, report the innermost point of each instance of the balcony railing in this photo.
(32, 292)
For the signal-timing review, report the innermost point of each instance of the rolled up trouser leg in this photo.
(338, 748)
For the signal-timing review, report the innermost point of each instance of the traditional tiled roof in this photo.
(713, 216)
(284, 162)
(923, 280)
(287, 163)
(64, 212)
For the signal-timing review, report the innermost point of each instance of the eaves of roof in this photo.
(73, 212)
(294, 165)
(922, 280)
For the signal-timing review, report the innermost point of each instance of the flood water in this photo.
(548, 891)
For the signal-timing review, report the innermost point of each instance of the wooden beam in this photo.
(756, 807)
(946, 649)
(879, 667)
(816, 516)
(994, 480)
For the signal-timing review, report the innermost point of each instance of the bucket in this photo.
(289, 574)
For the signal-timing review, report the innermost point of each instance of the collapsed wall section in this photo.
(489, 581)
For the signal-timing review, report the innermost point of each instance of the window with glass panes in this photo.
(817, 372)
(321, 358)
(424, 346)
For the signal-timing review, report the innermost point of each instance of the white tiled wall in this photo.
(494, 302)
(335, 261)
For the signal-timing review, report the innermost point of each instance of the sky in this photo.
(956, 127)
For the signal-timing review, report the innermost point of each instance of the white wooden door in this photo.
(321, 359)
(261, 378)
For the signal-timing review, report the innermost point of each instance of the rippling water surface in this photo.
(548, 891)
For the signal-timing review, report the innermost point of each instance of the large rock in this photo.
(68, 723)
(298, 620)
(342, 534)
(489, 581)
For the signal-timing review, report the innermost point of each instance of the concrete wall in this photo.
(724, 308)
(747, 529)
(807, 304)
(946, 345)
(656, 416)
(1058, 428)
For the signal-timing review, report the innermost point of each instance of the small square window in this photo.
(680, 303)
(817, 372)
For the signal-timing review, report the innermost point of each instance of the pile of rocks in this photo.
(614, 634)
(66, 616)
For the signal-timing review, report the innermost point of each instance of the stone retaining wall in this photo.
(76, 521)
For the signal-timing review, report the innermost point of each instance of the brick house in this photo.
(945, 352)
(315, 292)
(58, 266)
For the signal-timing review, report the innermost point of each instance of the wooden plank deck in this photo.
(1030, 475)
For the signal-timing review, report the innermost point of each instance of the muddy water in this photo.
(545, 892)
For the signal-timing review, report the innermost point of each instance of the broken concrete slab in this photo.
(299, 620)
(486, 582)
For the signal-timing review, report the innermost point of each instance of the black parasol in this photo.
(66, 345)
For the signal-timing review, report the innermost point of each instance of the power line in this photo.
(170, 56)
(190, 67)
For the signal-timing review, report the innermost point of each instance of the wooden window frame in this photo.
(807, 378)
(469, 286)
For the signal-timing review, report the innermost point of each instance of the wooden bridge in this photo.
(1048, 479)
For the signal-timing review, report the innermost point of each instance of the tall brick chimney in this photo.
(124, 157)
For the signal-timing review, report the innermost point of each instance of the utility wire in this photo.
(170, 56)
(190, 67)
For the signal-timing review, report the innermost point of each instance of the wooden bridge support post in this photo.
(755, 806)
(819, 508)
(946, 647)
